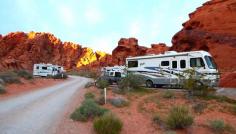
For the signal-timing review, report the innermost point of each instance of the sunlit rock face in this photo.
(21, 50)
(130, 47)
(211, 27)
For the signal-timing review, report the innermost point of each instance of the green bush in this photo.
(25, 74)
(107, 124)
(234, 108)
(9, 77)
(179, 117)
(2, 89)
(157, 119)
(89, 95)
(88, 109)
(168, 94)
(119, 102)
(101, 83)
(218, 126)
(131, 82)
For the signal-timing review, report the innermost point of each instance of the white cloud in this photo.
(135, 28)
(93, 14)
(67, 15)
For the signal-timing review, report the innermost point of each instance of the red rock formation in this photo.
(211, 27)
(130, 47)
(20, 50)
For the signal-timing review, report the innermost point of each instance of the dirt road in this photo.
(38, 112)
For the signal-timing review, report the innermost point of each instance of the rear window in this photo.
(117, 74)
(132, 64)
(165, 63)
(182, 64)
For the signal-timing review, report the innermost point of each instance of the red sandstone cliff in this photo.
(21, 50)
(212, 27)
(130, 47)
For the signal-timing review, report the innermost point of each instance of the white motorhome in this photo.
(114, 71)
(47, 70)
(165, 69)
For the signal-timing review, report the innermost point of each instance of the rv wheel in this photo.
(149, 83)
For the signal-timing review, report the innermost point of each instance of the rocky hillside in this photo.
(211, 27)
(130, 47)
(21, 50)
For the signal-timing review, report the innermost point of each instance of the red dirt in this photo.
(28, 85)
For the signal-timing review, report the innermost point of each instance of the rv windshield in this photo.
(210, 62)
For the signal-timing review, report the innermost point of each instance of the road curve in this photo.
(38, 112)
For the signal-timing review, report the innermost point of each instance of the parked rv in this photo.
(47, 70)
(166, 69)
(113, 74)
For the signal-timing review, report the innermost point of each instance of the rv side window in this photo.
(132, 64)
(196, 62)
(44, 68)
(37, 67)
(182, 64)
(117, 74)
(174, 64)
(165, 63)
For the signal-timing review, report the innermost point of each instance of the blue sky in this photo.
(98, 24)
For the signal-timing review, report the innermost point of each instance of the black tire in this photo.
(149, 84)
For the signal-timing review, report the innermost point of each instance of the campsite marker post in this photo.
(105, 95)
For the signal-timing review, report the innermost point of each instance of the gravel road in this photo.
(38, 112)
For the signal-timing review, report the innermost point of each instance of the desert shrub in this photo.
(88, 109)
(179, 117)
(131, 82)
(199, 107)
(194, 84)
(218, 126)
(157, 119)
(9, 77)
(2, 89)
(168, 94)
(119, 102)
(89, 95)
(60, 76)
(108, 124)
(89, 84)
(25, 74)
(100, 100)
(233, 108)
(101, 83)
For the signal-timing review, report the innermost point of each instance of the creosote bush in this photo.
(179, 117)
(157, 119)
(131, 82)
(2, 89)
(88, 109)
(218, 126)
(24, 74)
(107, 124)
(168, 94)
(9, 77)
(199, 107)
(89, 95)
(101, 83)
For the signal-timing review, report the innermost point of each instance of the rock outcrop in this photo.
(212, 28)
(130, 47)
(21, 50)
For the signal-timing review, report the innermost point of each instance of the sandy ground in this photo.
(28, 85)
(137, 117)
(38, 111)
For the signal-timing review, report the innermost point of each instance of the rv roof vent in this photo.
(170, 52)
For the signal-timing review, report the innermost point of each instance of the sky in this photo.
(98, 24)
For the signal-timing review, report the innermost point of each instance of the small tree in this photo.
(130, 82)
